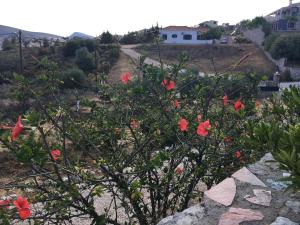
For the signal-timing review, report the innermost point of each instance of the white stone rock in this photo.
(295, 206)
(246, 176)
(283, 221)
(223, 192)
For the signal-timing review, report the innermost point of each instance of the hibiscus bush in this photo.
(278, 131)
(144, 150)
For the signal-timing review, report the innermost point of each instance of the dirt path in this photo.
(124, 64)
(128, 50)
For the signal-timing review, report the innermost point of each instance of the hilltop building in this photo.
(210, 24)
(183, 35)
(286, 18)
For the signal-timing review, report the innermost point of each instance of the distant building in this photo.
(183, 35)
(210, 24)
(286, 18)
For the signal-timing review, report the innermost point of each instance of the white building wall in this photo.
(179, 39)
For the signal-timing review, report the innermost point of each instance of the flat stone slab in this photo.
(246, 176)
(293, 205)
(235, 216)
(223, 192)
(262, 197)
(283, 221)
(190, 216)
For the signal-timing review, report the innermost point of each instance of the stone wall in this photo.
(253, 195)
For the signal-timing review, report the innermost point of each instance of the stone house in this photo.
(286, 18)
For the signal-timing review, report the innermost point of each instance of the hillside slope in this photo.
(6, 31)
(225, 57)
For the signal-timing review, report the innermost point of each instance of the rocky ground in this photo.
(252, 196)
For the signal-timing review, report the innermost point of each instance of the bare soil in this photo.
(225, 57)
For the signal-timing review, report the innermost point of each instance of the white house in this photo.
(183, 35)
(210, 23)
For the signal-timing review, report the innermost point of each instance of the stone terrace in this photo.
(252, 196)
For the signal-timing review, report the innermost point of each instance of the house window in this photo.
(187, 37)
(164, 37)
(291, 25)
(199, 37)
(174, 35)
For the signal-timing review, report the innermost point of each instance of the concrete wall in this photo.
(257, 36)
(179, 39)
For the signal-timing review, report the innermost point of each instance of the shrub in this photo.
(148, 146)
(269, 41)
(7, 45)
(70, 47)
(73, 78)
(212, 33)
(85, 60)
(107, 38)
(286, 46)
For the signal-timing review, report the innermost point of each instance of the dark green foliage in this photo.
(242, 40)
(269, 41)
(85, 60)
(286, 46)
(145, 36)
(70, 47)
(7, 44)
(73, 78)
(107, 38)
(279, 132)
(46, 43)
(212, 33)
(286, 76)
(130, 38)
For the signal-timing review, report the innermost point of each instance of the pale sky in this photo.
(63, 17)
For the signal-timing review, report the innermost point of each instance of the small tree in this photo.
(106, 38)
(7, 44)
(212, 33)
(73, 78)
(85, 60)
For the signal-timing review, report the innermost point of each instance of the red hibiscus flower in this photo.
(23, 208)
(225, 100)
(238, 155)
(17, 130)
(179, 170)
(176, 104)
(134, 123)
(24, 213)
(55, 154)
(257, 104)
(125, 78)
(183, 124)
(203, 128)
(238, 105)
(4, 203)
(169, 85)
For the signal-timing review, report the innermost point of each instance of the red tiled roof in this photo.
(185, 28)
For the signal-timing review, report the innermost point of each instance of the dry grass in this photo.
(225, 57)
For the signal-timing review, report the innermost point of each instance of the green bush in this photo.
(73, 78)
(107, 38)
(212, 33)
(85, 60)
(269, 41)
(286, 46)
(279, 131)
(70, 47)
(147, 145)
(7, 45)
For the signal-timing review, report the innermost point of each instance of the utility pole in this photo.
(20, 52)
